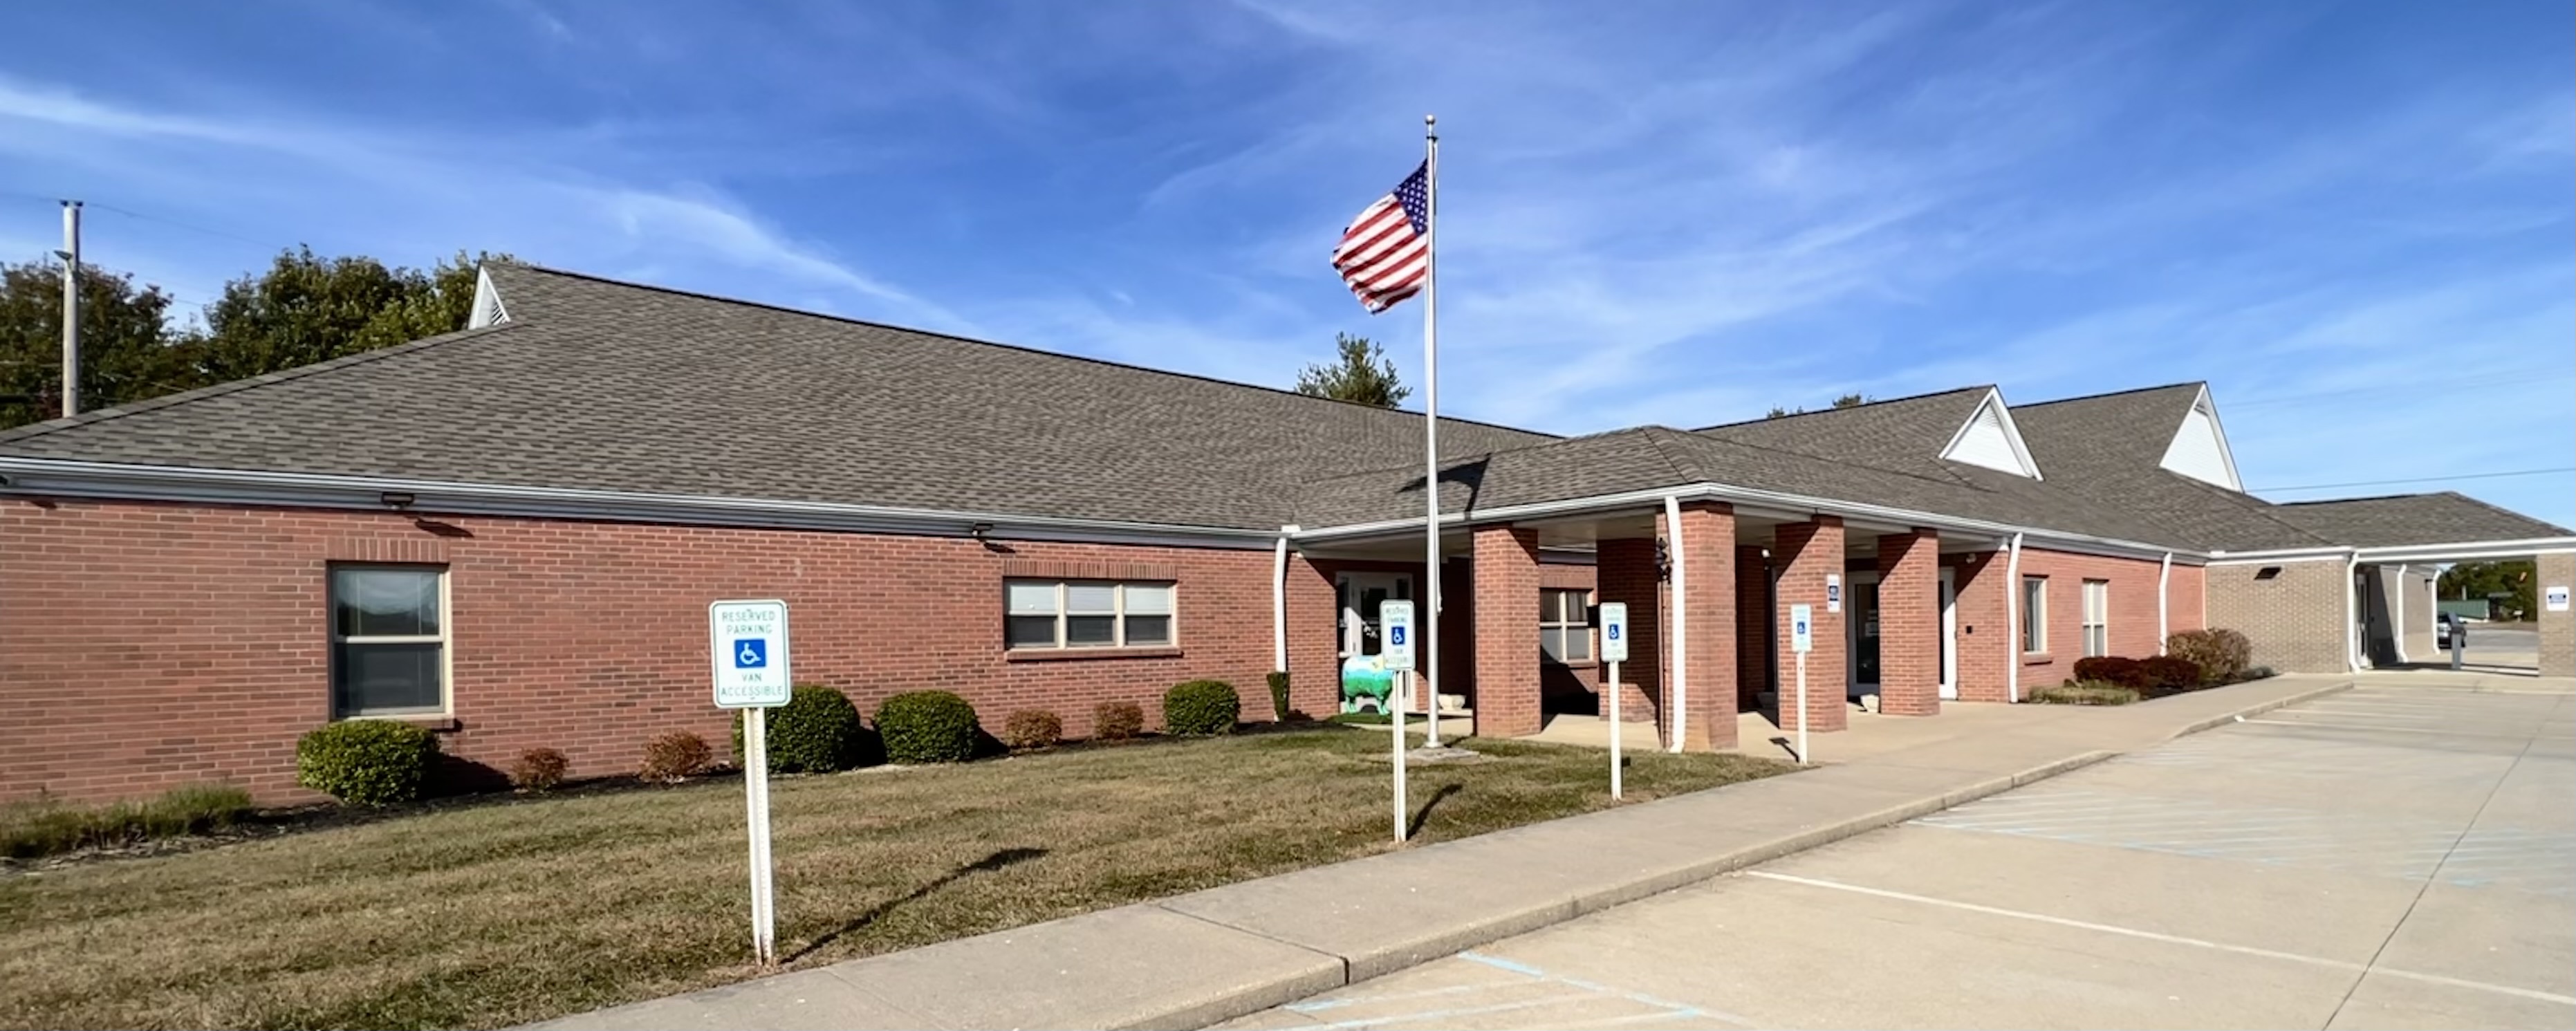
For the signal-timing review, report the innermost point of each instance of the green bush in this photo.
(927, 727)
(2086, 693)
(1278, 679)
(1030, 729)
(366, 762)
(817, 731)
(2112, 669)
(44, 827)
(539, 769)
(1117, 721)
(675, 757)
(2221, 654)
(2169, 675)
(1198, 707)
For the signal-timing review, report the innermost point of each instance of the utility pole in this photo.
(71, 307)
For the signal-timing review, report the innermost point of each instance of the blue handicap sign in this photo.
(750, 653)
(1802, 627)
(1614, 631)
(1395, 635)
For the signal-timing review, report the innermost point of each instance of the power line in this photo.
(2418, 479)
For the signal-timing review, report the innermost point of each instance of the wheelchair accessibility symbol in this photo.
(750, 653)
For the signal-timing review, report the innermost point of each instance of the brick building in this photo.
(510, 534)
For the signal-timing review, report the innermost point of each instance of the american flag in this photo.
(1386, 253)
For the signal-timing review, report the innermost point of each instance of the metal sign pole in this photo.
(1615, 692)
(1802, 708)
(1614, 649)
(764, 887)
(1395, 618)
(1802, 639)
(1395, 724)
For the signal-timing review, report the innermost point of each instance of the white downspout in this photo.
(2164, 584)
(2397, 619)
(2351, 618)
(1681, 618)
(1279, 600)
(2012, 623)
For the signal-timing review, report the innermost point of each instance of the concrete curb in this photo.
(2260, 708)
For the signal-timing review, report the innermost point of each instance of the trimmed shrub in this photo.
(539, 769)
(2112, 669)
(675, 757)
(1278, 680)
(1030, 729)
(2088, 693)
(817, 731)
(366, 762)
(44, 827)
(2221, 654)
(1117, 721)
(927, 727)
(2169, 675)
(1201, 707)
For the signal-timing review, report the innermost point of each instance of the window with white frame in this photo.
(1040, 614)
(388, 641)
(1565, 625)
(2097, 617)
(2034, 614)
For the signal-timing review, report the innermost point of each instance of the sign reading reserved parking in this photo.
(748, 641)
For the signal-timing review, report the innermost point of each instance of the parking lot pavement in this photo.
(2393, 856)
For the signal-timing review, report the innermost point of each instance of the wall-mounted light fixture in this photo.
(396, 499)
(979, 531)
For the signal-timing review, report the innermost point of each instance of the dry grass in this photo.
(500, 914)
(2087, 693)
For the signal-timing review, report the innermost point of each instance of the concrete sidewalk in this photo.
(1201, 958)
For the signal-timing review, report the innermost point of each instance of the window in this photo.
(2097, 617)
(1086, 614)
(1565, 625)
(388, 641)
(2034, 614)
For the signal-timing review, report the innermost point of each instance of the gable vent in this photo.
(1990, 440)
(2199, 449)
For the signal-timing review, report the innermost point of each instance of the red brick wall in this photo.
(1984, 632)
(2132, 613)
(1909, 623)
(2187, 600)
(1806, 552)
(1507, 652)
(146, 645)
(1709, 698)
(1752, 626)
(1627, 574)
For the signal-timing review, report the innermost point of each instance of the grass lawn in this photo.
(499, 914)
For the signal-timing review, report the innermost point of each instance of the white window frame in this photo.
(1582, 620)
(1117, 613)
(2034, 616)
(2097, 617)
(444, 639)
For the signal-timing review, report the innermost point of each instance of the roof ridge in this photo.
(1829, 411)
(2200, 383)
(2254, 506)
(1683, 468)
(845, 319)
(1487, 453)
(228, 387)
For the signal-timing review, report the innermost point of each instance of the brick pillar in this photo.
(1909, 623)
(1752, 626)
(1984, 633)
(1314, 648)
(1506, 618)
(1627, 574)
(2557, 629)
(1806, 552)
(1708, 691)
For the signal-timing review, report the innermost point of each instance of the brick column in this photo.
(1627, 574)
(2557, 629)
(1909, 623)
(1752, 626)
(1708, 694)
(1806, 552)
(1314, 649)
(1506, 618)
(1983, 631)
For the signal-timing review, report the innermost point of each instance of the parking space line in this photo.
(2172, 939)
(2323, 725)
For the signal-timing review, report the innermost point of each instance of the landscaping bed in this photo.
(496, 914)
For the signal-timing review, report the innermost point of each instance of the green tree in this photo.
(1845, 401)
(2515, 581)
(127, 351)
(1361, 374)
(306, 308)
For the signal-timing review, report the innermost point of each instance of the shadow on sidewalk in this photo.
(996, 861)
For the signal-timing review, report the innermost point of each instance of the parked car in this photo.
(2446, 625)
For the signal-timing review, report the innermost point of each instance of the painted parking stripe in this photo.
(2171, 939)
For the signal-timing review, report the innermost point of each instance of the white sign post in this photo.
(1395, 618)
(747, 643)
(1802, 639)
(1614, 650)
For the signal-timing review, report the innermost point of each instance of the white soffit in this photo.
(2199, 449)
(1990, 440)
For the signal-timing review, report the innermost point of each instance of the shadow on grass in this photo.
(996, 861)
(1423, 815)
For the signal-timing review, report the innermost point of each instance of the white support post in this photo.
(1615, 692)
(1802, 708)
(1395, 724)
(1680, 671)
(2164, 584)
(755, 782)
(2012, 623)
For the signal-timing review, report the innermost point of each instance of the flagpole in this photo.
(1431, 429)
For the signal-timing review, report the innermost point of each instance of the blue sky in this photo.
(2353, 219)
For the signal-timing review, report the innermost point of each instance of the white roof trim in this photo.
(1964, 445)
(2197, 463)
(488, 309)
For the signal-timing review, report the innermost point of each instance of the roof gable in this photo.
(1990, 440)
(1906, 433)
(2199, 448)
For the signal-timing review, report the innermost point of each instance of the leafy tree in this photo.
(2516, 580)
(127, 353)
(308, 308)
(1362, 374)
(1845, 401)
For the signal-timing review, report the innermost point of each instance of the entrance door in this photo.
(1360, 596)
(1949, 630)
(1860, 622)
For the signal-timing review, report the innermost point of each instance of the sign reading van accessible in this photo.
(748, 641)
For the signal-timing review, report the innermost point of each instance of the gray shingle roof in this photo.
(2111, 448)
(611, 386)
(2444, 518)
